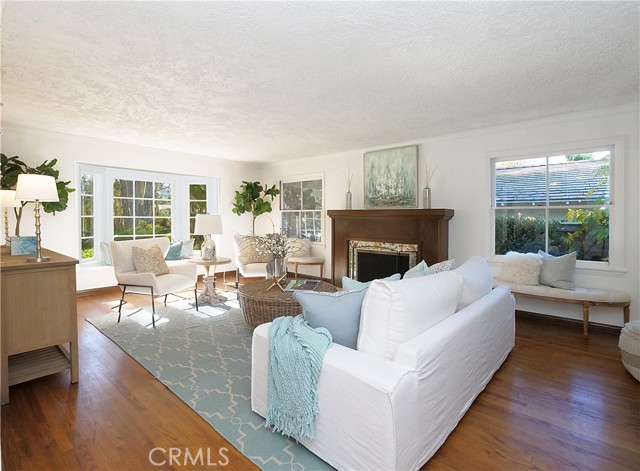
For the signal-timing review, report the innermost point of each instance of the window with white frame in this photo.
(558, 203)
(87, 226)
(122, 204)
(141, 208)
(301, 204)
(197, 205)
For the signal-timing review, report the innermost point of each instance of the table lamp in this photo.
(207, 224)
(7, 200)
(36, 188)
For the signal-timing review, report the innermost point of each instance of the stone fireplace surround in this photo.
(428, 229)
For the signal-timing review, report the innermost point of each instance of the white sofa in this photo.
(394, 413)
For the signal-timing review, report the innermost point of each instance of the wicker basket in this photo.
(259, 305)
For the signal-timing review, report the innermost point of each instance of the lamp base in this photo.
(208, 248)
(39, 259)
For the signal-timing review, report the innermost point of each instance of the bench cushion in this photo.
(579, 294)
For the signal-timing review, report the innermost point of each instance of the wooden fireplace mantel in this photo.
(428, 228)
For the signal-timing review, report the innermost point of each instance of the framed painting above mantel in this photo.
(391, 178)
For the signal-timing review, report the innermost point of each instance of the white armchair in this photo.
(246, 264)
(180, 277)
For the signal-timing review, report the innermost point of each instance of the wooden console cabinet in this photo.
(39, 318)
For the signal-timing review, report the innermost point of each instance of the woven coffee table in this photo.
(260, 306)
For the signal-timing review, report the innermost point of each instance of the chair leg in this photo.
(165, 299)
(237, 278)
(124, 289)
(195, 292)
(153, 310)
(321, 270)
(296, 269)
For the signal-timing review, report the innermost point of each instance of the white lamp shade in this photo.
(36, 187)
(8, 199)
(208, 224)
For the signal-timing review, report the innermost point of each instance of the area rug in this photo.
(205, 359)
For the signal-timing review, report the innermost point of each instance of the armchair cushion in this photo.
(257, 257)
(149, 260)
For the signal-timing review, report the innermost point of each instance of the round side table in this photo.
(208, 294)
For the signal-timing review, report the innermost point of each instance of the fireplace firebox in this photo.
(371, 260)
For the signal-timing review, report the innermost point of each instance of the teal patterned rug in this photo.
(205, 359)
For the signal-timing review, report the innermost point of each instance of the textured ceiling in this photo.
(278, 80)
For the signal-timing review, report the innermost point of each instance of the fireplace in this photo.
(398, 232)
(371, 260)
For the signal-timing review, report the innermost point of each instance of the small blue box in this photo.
(23, 245)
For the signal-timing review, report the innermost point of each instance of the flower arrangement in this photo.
(272, 244)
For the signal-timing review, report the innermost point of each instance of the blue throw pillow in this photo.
(349, 284)
(175, 251)
(421, 269)
(338, 312)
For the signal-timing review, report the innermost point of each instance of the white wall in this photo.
(59, 232)
(463, 182)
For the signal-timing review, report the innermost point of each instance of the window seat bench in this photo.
(585, 297)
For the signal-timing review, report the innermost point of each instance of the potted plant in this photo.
(11, 167)
(252, 198)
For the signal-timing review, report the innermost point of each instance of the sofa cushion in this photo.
(478, 280)
(149, 260)
(421, 269)
(557, 272)
(522, 268)
(349, 284)
(338, 312)
(394, 312)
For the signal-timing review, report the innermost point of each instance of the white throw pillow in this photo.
(396, 311)
(478, 280)
(522, 268)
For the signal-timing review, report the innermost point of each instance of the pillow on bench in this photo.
(557, 272)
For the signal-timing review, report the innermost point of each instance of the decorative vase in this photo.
(349, 200)
(277, 266)
(426, 197)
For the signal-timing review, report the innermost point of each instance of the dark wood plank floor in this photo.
(559, 402)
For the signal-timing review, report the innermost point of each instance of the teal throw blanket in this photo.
(296, 351)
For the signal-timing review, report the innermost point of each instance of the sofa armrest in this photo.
(362, 401)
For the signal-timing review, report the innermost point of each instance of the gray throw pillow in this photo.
(338, 312)
(557, 272)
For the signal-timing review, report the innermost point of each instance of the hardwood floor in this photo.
(559, 402)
